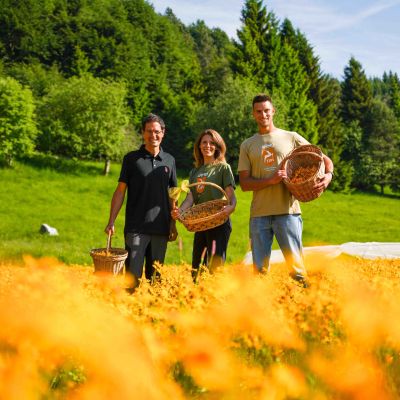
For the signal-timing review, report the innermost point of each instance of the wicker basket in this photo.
(208, 215)
(304, 168)
(109, 260)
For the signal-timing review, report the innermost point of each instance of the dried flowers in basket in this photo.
(203, 216)
(304, 168)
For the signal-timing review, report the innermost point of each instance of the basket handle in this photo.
(287, 158)
(210, 184)
(307, 153)
(109, 241)
(301, 149)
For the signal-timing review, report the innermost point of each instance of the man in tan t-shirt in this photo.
(274, 211)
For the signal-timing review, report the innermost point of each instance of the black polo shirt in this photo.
(148, 179)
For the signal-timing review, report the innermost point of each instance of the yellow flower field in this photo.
(67, 333)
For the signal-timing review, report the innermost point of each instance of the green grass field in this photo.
(74, 198)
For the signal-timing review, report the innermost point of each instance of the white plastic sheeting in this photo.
(368, 250)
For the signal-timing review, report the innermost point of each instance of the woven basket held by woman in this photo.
(304, 168)
(208, 215)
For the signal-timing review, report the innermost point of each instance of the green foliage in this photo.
(379, 159)
(182, 73)
(67, 377)
(332, 132)
(391, 82)
(229, 113)
(255, 55)
(356, 95)
(17, 120)
(248, 60)
(84, 117)
(213, 48)
(185, 380)
(38, 77)
(291, 83)
(308, 60)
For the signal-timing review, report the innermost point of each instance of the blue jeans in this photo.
(288, 232)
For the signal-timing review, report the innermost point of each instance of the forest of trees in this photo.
(77, 77)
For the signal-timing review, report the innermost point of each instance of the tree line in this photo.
(76, 78)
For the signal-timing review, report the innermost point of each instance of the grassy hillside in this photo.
(74, 198)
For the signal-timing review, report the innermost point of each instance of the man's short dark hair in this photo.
(153, 118)
(261, 98)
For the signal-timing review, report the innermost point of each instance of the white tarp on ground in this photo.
(369, 250)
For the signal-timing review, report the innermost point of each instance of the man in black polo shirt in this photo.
(146, 174)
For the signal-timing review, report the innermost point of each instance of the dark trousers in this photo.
(204, 240)
(143, 248)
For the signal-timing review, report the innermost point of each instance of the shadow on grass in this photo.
(376, 193)
(64, 165)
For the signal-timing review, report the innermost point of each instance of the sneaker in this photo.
(302, 281)
(305, 283)
(262, 271)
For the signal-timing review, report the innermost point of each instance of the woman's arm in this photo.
(187, 203)
(230, 191)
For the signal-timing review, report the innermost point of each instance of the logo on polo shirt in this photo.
(166, 170)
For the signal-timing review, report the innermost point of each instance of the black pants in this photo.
(144, 248)
(204, 240)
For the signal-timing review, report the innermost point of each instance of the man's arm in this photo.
(247, 182)
(326, 179)
(116, 204)
(173, 232)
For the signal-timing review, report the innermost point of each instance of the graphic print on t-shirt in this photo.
(268, 156)
(201, 178)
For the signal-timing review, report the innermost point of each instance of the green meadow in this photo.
(74, 197)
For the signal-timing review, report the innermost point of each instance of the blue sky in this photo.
(368, 30)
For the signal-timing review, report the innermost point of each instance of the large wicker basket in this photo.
(109, 260)
(208, 215)
(304, 168)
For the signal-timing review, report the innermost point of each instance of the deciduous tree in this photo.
(85, 117)
(17, 120)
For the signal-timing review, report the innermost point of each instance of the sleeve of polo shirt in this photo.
(123, 176)
(173, 182)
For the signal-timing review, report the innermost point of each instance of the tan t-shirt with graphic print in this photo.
(261, 156)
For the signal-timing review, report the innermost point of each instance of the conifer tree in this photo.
(291, 84)
(380, 157)
(356, 95)
(331, 130)
(255, 54)
(213, 48)
(392, 83)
